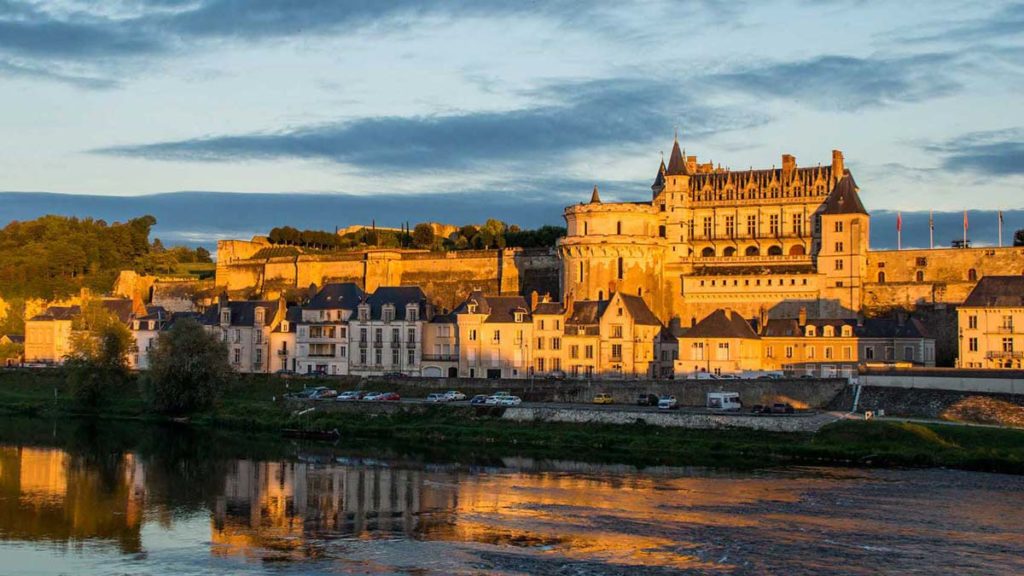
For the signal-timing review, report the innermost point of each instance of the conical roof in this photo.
(595, 198)
(844, 198)
(676, 162)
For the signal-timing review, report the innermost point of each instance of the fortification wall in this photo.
(447, 278)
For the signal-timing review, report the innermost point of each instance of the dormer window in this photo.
(847, 331)
(811, 332)
(471, 307)
(284, 326)
(828, 331)
(388, 312)
(412, 313)
(260, 316)
(364, 312)
(518, 316)
(225, 317)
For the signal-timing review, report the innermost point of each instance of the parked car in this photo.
(479, 400)
(509, 401)
(372, 396)
(556, 375)
(782, 408)
(493, 400)
(724, 401)
(761, 409)
(393, 375)
(323, 394)
(603, 398)
(437, 397)
(454, 396)
(306, 394)
(668, 403)
(647, 400)
(389, 397)
(350, 396)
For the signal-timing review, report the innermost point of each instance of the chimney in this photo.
(837, 164)
(788, 164)
(802, 316)
(533, 300)
(763, 319)
(691, 164)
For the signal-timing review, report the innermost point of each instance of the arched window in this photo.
(707, 252)
(619, 265)
(797, 250)
(729, 251)
(919, 276)
(775, 250)
(881, 277)
(753, 251)
(972, 275)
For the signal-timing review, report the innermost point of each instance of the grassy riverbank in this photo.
(247, 406)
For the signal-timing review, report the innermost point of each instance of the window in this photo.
(972, 275)
(412, 314)
(908, 353)
(362, 356)
(839, 246)
(259, 356)
(769, 351)
(258, 336)
(540, 364)
(581, 272)
(828, 352)
(730, 226)
(972, 344)
(588, 351)
(388, 312)
(472, 335)
(1007, 344)
(585, 228)
(839, 226)
(377, 357)
(238, 356)
(558, 324)
(789, 351)
(707, 226)
(847, 353)
(519, 316)
(410, 335)
(394, 336)
(540, 343)
(972, 322)
(809, 352)
(394, 356)
(881, 277)
(773, 224)
(618, 228)
(378, 336)
(839, 264)
(556, 343)
(919, 276)
(616, 351)
(574, 351)
(1007, 323)
(798, 224)
(617, 331)
(922, 261)
(697, 350)
(661, 230)
(751, 225)
(362, 335)
(723, 351)
(620, 268)
(869, 352)
(411, 357)
(496, 336)
(225, 317)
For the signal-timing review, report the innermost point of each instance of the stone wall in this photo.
(985, 381)
(674, 419)
(915, 403)
(447, 278)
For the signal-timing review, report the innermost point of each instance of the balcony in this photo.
(769, 260)
(378, 344)
(1004, 329)
(440, 357)
(363, 344)
(283, 353)
(1004, 355)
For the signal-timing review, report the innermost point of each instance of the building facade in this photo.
(991, 324)
(322, 332)
(494, 336)
(388, 332)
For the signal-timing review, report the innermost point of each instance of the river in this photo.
(86, 498)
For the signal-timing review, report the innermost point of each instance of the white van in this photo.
(724, 401)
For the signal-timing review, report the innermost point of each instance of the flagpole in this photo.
(965, 229)
(1000, 228)
(899, 231)
(931, 229)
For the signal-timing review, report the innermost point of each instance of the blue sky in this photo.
(487, 99)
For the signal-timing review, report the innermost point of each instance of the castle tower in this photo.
(842, 257)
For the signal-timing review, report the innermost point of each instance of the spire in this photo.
(676, 162)
(659, 179)
(595, 198)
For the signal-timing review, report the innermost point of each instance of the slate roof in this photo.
(586, 312)
(121, 308)
(498, 308)
(659, 178)
(400, 296)
(891, 328)
(638, 310)
(722, 324)
(997, 291)
(154, 313)
(676, 162)
(844, 198)
(791, 327)
(549, 308)
(14, 338)
(345, 295)
(292, 316)
(595, 198)
(243, 312)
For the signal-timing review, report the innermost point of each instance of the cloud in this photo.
(847, 83)
(30, 71)
(992, 153)
(575, 117)
(1007, 22)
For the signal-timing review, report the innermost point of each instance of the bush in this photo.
(188, 369)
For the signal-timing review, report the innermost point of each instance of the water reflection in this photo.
(168, 501)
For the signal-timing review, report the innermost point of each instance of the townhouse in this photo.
(494, 335)
(990, 324)
(321, 341)
(388, 332)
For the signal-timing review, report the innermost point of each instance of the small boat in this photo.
(311, 434)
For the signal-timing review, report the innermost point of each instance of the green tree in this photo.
(188, 369)
(203, 255)
(97, 367)
(423, 236)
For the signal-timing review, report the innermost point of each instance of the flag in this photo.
(1000, 217)
(899, 222)
(931, 220)
(965, 221)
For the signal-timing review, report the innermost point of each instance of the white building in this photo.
(321, 335)
(245, 327)
(387, 332)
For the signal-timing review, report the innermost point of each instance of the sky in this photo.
(489, 101)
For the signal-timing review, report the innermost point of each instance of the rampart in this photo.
(446, 277)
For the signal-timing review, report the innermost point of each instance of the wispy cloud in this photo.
(992, 153)
(847, 83)
(581, 116)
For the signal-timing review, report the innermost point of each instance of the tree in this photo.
(423, 235)
(203, 255)
(1018, 237)
(188, 369)
(98, 364)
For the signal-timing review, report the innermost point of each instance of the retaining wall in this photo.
(987, 381)
(701, 421)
